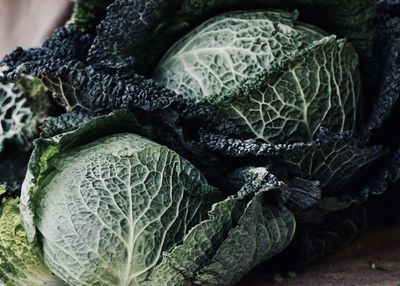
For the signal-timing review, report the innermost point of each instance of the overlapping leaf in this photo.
(206, 257)
(89, 13)
(20, 262)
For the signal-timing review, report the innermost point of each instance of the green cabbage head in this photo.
(278, 79)
(124, 210)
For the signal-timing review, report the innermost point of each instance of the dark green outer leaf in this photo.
(63, 46)
(89, 13)
(64, 123)
(332, 159)
(122, 38)
(333, 163)
(255, 238)
(387, 100)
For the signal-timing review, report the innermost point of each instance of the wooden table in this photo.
(372, 260)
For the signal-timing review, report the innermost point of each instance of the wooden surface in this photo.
(372, 260)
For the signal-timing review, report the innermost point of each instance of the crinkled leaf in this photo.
(250, 180)
(64, 45)
(21, 112)
(136, 33)
(21, 263)
(225, 50)
(298, 193)
(47, 148)
(15, 116)
(351, 19)
(79, 87)
(333, 163)
(122, 38)
(389, 90)
(316, 87)
(58, 64)
(199, 244)
(287, 100)
(257, 237)
(302, 194)
(205, 256)
(332, 159)
(64, 123)
(89, 13)
(57, 164)
(154, 197)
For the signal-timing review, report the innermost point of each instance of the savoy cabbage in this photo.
(123, 210)
(190, 141)
(276, 79)
(21, 263)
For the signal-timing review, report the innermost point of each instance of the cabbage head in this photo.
(120, 209)
(278, 79)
